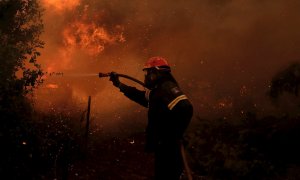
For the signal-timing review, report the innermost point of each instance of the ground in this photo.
(115, 158)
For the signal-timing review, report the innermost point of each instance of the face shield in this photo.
(150, 77)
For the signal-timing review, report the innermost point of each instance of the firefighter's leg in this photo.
(168, 161)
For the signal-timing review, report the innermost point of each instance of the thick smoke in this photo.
(224, 53)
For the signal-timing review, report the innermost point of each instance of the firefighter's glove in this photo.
(114, 78)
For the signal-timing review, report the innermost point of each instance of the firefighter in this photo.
(169, 113)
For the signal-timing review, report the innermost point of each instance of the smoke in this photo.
(223, 53)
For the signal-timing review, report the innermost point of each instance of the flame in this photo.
(79, 35)
(60, 5)
(90, 37)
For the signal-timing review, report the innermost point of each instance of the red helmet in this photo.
(157, 62)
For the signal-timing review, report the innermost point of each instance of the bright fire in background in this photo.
(81, 31)
(90, 37)
(74, 45)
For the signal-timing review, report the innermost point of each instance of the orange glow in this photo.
(60, 5)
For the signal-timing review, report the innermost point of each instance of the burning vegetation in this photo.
(90, 37)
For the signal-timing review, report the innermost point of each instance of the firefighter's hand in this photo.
(114, 78)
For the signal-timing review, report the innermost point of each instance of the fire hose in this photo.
(101, 75)
(185, 163)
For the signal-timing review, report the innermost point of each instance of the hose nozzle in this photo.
(101, 75)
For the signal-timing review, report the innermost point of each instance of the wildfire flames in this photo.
(90, 37)
(82, 33)
(77, 36)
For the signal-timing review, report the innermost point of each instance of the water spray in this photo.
(100, 75)
(61, 74)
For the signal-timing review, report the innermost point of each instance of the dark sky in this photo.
(223, 52)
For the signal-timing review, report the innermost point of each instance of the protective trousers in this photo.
(168, 161)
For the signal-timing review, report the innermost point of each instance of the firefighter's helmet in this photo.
(157, 63)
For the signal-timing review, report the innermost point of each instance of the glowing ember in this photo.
(132, 142)
(243, 91)
(224, 103)
(52, 86)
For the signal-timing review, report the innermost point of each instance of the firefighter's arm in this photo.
(130, 92)
(134, 94)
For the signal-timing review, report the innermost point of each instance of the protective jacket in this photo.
(169, 112)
